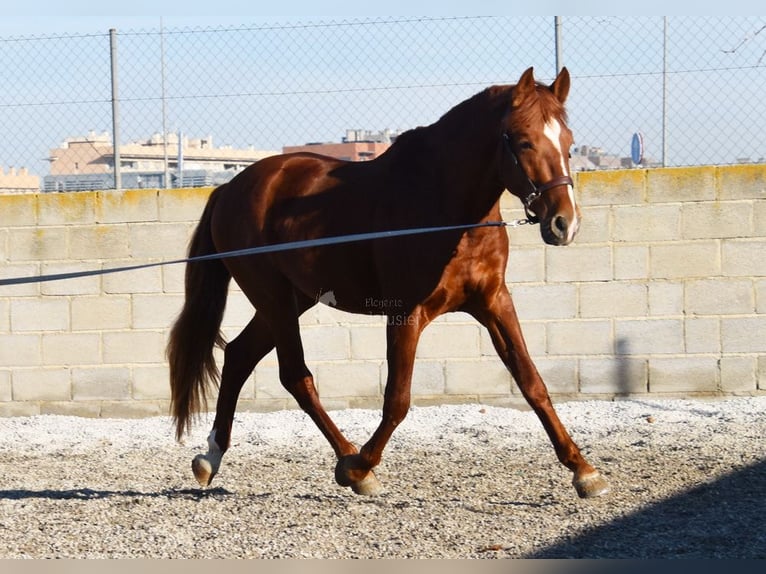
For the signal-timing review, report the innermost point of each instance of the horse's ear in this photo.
(524, 88)
(560, 86)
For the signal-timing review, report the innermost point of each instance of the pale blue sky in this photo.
(33, 17)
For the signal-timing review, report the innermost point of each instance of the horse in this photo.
(450, 173)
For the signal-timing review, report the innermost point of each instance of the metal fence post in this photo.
(557, 28)
(115, 110)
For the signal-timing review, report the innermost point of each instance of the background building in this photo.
(87, 163)
(357, 145)
(18, 181)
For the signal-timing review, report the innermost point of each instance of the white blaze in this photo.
(552, 131)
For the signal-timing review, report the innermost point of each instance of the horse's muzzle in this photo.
(559, 230)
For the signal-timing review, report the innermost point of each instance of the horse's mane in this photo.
(495, 101)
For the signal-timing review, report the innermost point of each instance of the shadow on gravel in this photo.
(91, 494)
(722, 519)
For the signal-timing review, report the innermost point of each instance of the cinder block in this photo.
(5, 315)
(76, 286)
(42, 385)
(368, 342)
(549, 301)
(759, 214)
(67, 208)
(581, 337)
(579, 263)
(680, 260)
(132, 409)
(741, 182)
(619, 375)
(67, 349)
(100, 383)
(428, 378)
(738, 374)
(683, 374)
(447, 340)
(348, 379)
(109, 242)
(71, 409)
(614, 299)
(19, 210)
(761, 374)
(666, 298)
(559, 375)
(5, 387)
(647, 222)
(611, 187)
(151, 383)
(649, 337)
(133, 347)
(744, 257)
(477, 377)
(109, 312)
(595, 226)
(37, 244)
(630, 261)
(715, 219)
(155, 311)
(525, 265)
(39, 315)
(11, 270)
(147, 280)
(760, 297)
(165, 241)
(19, 409)
(183, 204)
(326, 343)
(680, 184)
(743, 334)
(20, 350)
(239, 311)
(127, 206)
(173, 278)
(702, 335)
(720, 296)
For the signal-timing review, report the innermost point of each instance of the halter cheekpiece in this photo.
(534, 191)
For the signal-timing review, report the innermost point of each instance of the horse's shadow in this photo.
(93, 494)
(720, 519)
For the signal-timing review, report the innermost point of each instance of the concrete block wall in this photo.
(663, 293)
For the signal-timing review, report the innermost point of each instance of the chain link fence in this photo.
(693, 87)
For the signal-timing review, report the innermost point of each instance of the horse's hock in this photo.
(663, 293)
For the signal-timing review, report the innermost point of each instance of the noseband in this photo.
(533, 191)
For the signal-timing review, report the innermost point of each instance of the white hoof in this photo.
(203, 470)
(205, 466)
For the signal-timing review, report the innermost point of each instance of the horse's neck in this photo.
(457, 158)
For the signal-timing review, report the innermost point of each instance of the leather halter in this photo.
(534, 191)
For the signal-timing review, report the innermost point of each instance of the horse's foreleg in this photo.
(402, 340)
(499, 316)
(240, 357)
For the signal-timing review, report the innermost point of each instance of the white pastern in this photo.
(552, 131)
(214, 453)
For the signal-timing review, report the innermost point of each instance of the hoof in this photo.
(368, 486)
(590, 485)
(347, 473)
(203, 470)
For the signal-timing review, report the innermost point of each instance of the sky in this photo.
(34, 17)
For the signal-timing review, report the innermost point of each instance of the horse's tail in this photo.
(196, 331)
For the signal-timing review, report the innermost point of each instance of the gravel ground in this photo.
(469, 481)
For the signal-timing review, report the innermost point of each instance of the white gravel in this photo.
(462, 481)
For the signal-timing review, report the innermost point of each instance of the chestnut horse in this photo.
(450, 173)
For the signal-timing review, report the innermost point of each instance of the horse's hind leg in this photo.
(499, 316)
(298, 380)
(240, 357)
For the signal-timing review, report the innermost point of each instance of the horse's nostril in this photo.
(560, 225)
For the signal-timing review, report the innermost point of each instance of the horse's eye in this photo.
(525, 145)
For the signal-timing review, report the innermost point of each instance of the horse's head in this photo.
(535, 156)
